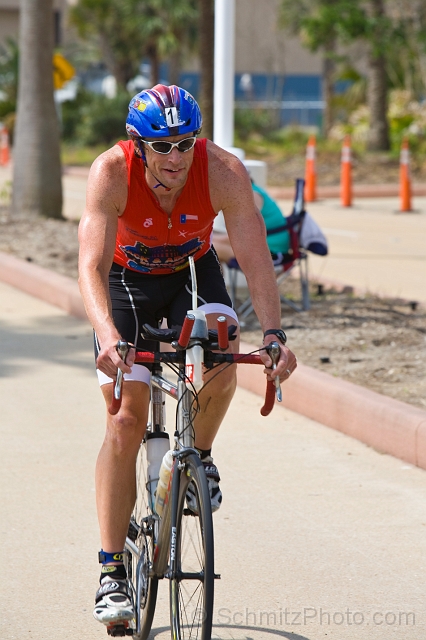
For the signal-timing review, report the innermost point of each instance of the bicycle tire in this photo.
(191, 598)
(142, 533)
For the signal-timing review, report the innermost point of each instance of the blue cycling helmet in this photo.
(163, 111)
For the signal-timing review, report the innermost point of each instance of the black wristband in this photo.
(276, 332)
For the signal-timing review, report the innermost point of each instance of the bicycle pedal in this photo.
(119, 629)
(217, 576)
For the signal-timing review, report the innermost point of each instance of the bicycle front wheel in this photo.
(140, 543)
(192, 573)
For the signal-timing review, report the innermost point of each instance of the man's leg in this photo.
(115, 497)
(217, 393)
(115, 468)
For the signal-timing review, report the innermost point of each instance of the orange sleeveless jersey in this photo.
(144, 242)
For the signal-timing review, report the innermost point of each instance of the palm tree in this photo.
(37, 186)
(315, 22)
(377, 87)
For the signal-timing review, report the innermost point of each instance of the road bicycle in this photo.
(167, 539)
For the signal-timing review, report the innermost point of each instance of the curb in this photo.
(387, 425)
(49, 286)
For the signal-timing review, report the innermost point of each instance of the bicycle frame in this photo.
(163, 530)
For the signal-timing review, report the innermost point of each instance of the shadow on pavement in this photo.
(59, 339)
(266, 633)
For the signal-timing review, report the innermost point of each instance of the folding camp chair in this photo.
(284, 264)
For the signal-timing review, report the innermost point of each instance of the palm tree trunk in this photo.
(152, 52)
(377, 98)
(206, 40)
(377, 89)
(37, 180)
(328, 86)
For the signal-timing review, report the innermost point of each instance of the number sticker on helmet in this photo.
(171, 117)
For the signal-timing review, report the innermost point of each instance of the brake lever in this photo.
(274, 352)
(123, 350)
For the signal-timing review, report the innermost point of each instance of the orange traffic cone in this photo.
(4, 145)
(346, 173)
(404, 177)
(310, 175)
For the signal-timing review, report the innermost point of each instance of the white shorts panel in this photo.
(139, 373)
(218, 307)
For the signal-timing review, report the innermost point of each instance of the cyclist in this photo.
(151, 202)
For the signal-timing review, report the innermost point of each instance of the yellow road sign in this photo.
(62, 71)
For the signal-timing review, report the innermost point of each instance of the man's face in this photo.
(172, 168)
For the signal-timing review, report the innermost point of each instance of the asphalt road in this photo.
(318, 536)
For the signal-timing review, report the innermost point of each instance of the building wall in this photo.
(9, 17)
(9, 23)
(263, 47)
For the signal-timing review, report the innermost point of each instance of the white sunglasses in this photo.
(163, 147)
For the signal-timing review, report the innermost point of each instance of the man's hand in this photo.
(109, 360)
(286, 364)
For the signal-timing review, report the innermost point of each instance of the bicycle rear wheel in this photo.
(140, 544)
(192, 579)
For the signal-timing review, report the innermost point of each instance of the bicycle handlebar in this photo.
(210, 358)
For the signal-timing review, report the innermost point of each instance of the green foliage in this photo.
(9, 58)
(407, 119)
(290, 137)
(9, 121)
(130, 30)
(102, 120)
(6, 107)
(93, 119)
(71, 112)
(249, 121)
(75, 154)
(318, 22)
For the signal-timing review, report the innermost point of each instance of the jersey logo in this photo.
(185, 217)
(148, 223)
(140, 257)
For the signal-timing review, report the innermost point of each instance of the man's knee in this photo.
(223, 382)
(125, 431)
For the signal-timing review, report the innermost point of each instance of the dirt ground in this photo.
(379, 344)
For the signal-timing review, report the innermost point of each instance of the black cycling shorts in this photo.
(138, 298)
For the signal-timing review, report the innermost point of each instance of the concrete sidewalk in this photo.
(319, 536)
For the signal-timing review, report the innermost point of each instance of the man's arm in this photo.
(231, 192)
(105, 201)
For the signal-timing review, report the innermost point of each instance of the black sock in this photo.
(116, 572)
(204, 453)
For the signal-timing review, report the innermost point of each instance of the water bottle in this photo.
(163, 482)
(195, 353)
(157, 444)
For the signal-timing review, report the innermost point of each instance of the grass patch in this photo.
(80, 155)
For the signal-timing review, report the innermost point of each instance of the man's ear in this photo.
(136, 146)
